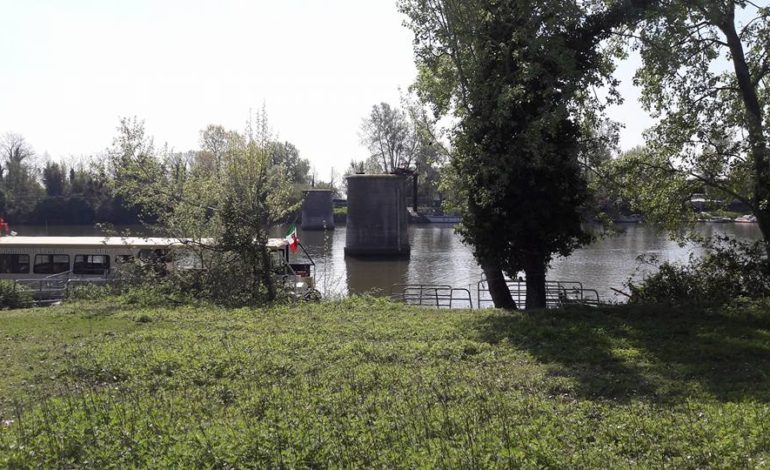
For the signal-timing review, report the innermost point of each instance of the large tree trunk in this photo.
(763, 220)
(758, 148)
(498, 289)
(535, 272)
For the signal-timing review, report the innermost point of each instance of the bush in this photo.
(91, 291)
(730, 270)
(225, 281)
(13, 296)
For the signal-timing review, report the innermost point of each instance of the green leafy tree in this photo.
(131, 163)
(55, 179)
(430, 153)
(390, 137)
(403, 140)
(19, 176)
(514, 74)
(704, 75)
(227, 214)
(287, 155)
(215, 142)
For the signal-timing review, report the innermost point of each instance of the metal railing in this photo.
(432, 295)
(557, 293)
(47, 289)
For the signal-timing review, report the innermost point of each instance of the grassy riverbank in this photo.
(366, 383)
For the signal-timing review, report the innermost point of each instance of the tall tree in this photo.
(55, 178)
(390, 137)
(18, 175)
(706, 75)
(403, 140)
(215, 142)
(287, 154)
(228, 213)
(430, 155)
(513, 74)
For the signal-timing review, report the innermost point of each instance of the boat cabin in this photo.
(95, 258)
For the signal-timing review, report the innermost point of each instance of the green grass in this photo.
(366, 383)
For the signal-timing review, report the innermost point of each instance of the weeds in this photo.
(14, 296)
(366, 383)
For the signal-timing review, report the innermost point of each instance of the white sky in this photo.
(70, 69)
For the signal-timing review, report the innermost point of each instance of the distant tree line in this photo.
(36, 190)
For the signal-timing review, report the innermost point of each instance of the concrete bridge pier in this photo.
(318, 210)
(377, 223)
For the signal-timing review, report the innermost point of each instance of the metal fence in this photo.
(431, 295)
(557, 293)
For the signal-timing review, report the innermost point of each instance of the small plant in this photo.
(89, 291)
(13, 295)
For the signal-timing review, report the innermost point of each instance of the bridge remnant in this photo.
(318, 210)
(377, 224)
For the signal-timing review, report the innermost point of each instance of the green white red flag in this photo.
(292, 238)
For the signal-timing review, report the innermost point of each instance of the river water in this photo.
(439, 257)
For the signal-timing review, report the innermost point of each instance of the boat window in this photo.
(14, 264)
(51, 264)
(91, 264)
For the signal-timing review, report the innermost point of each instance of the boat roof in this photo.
(138, 242)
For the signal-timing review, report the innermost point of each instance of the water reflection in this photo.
(375, 276)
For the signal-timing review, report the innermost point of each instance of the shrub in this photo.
(224, 281)
(14, 296)
(91, 291)
(730, 270)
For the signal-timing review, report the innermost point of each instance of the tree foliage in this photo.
(18, 176)
(390, 136)
(227, 213)
(403, 140)
(514, 74)
(287, 155)
(75, 193)
(728, 271)
(704, 75)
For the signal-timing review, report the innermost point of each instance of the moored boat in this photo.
(746, 219)
(53, 263)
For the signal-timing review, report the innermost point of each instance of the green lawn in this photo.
(366, 383)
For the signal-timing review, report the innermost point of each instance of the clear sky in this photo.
(70, 69)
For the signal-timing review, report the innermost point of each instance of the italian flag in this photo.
(291, 237)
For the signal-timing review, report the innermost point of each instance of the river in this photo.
(439, 257)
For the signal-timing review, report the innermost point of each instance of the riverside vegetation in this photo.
(364, 382)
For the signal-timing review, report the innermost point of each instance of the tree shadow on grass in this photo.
(633, 352)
